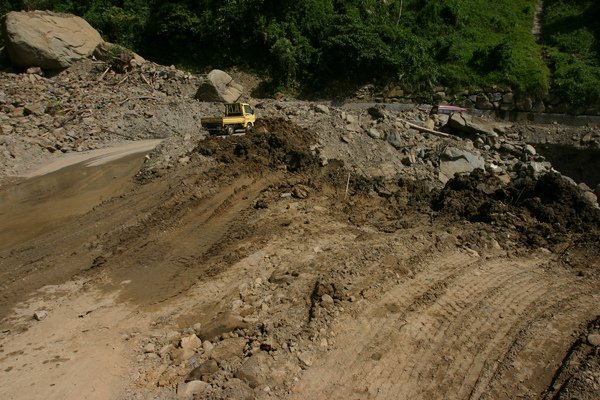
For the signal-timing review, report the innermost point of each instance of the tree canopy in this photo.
(418, 44)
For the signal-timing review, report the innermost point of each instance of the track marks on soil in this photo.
(463, 328)
(180, 254)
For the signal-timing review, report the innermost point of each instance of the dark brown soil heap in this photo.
(543, 210)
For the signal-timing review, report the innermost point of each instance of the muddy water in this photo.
(41, 204)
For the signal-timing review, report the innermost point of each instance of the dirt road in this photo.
(296, 289)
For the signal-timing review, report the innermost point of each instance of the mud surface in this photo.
(303, 279)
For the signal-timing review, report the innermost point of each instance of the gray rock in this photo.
(409, 160)
(374, 133)
(35, 109)
(191, 342)
(180, 355)
(48, 40)
(40, 315)
(255, 371)
(590, 197)
(219, 87)
(323, 109)
(351, 119)
(536, 169)
(150, 348)
(222, 323)
(454, 160)
(354, 127)
(529, 149)
(191, 389)
(300, 192)
(392, 138)
(228, 348)
(203, 371)
(281, 278)
(327, 301)
(594, 339)
(471, 125)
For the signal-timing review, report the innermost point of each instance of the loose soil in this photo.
(339, 285)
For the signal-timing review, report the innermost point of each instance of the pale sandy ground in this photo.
(94, 157)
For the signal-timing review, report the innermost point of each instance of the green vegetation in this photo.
(572, 37)
(310, 44)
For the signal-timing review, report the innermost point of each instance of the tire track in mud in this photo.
(456, 335)
(169, 262)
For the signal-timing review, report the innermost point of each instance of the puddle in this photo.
(37, 205)
(582, 165)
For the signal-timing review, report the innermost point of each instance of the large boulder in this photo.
(219, 86)
(455, 161)
(47, 40)
(471, 125)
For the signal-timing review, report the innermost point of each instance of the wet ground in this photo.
(456, 293)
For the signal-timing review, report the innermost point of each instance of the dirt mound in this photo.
(543, 210)
(275, 143)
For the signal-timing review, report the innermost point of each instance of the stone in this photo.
(454, 160)
(255, 371)
(207, 346)
(203, 371)
(471, 125)
(219, 86)
(180, 355)
(327, 301)
(392, 138)
(483, 103)
(354, 127)
(35, 109)
(322, 108)
(529, 149)
(374, 133)
(300, 192)
(228, 348)
(166, 349)
(281, 278)
(191, 342)
(594, 339)
(48, 40)
(351, 119)
(150, 348)
(590, 197)
(191, 389)
(223, 323)
(409, 160)
(40, 315)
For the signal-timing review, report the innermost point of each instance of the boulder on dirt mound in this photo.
(454, 160)
(219, 86)
(47, 40)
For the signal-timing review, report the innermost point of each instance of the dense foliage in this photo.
(418, 44)
(572, 35)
